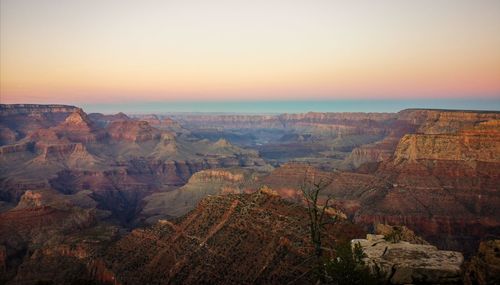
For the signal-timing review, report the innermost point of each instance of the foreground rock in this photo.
(406, 263)
(484, 268)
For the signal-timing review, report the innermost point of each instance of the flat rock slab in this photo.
(406, 263)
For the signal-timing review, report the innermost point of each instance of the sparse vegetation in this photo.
(395, 236)
(345, 266)
(311, 188)
(348, 268)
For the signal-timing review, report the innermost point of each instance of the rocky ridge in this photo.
(246, 239)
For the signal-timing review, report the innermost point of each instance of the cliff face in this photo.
(54, 237)
(17, 120)
(162, 123)
(175, 203)
(429, 129)
(281, 121)
(445, 121)
(478, 143)
(318, 124)
(28, 109)
(444, 183)
(42, 218)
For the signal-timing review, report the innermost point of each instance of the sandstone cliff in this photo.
(175, 203)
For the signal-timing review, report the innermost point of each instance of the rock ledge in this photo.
(406, 263)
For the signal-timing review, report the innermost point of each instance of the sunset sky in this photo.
(101, 51)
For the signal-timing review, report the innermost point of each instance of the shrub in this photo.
(348, 267)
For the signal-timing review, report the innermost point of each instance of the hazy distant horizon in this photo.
(297, 106)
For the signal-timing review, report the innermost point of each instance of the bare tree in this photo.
(312, 187)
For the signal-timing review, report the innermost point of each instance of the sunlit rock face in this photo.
(445, 183)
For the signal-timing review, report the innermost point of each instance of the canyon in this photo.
(143, 199)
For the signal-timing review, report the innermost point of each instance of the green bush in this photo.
(348, 267)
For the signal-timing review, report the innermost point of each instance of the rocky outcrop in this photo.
(70, 260)
(77, 119)
(77, 127)
(175, 203)
(445, 126)
(35, 225)
(26, 118)
(461, 147)
(368, 154)
(134, 131)
(484, 267)
(406, 263)
(31, 199)
(381, 150)
(162, 122)
(24, 109)
(223, 175)
(72, 155)
(445, 121)
(444, 184)
(103, 120)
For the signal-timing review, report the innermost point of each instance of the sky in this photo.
(107, 52)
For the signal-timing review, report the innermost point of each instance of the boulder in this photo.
(406, 263)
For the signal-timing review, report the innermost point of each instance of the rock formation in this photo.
(175, 203)
(230, 239)
(71, 184)
(406, 263)
(484, 267)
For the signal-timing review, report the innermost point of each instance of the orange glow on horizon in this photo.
(230, 50)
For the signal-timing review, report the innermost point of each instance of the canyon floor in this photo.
(178, 198)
